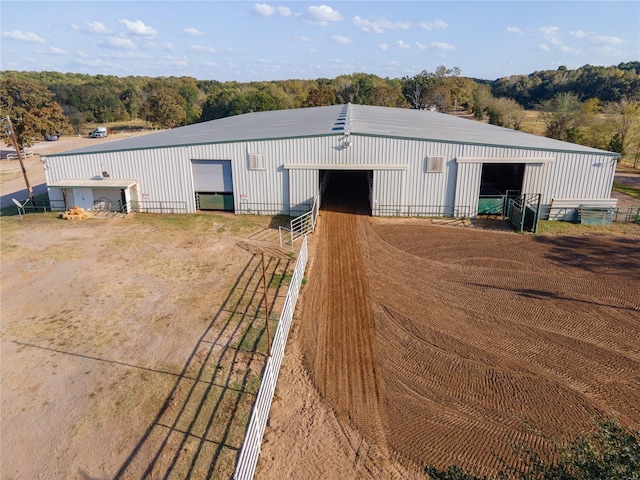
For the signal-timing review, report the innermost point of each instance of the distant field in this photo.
(533, 123)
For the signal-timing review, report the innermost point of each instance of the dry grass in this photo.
(147, 323)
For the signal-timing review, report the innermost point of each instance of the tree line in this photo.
(576, 105)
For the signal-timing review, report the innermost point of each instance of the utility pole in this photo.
(19, 153)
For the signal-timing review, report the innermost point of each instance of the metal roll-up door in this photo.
(213, 176)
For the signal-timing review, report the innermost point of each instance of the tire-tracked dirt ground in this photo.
(436, 345)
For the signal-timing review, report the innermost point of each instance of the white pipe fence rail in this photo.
(14, 155)
(251, 446)
(301, 226)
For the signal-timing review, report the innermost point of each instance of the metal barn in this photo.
(420, 163)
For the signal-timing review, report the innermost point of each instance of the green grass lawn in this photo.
(630, 190)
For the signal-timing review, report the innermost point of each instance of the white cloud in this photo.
(168, 46)
(263, 9)
(193, 31)
(209, 64)
(56, 51)
(138, 28)
(304, 39)
(517, 30)
(421, 46)
(204, 49)
(383, 46)
(596, 39)
(97, 27)
(379, 25)
(341, 40)
(201, 49)
(284, 11)
(118, 43)
(550, 32)
(443, 46)
(543, 47)
(552, 36)
(322, 15)
(23, 36)
(437, 25)
(176, 61)
(403, 45)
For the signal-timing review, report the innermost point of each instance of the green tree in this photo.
(165, 107)
(624, 120)
(362, 88)
(187, 88)
(320, 95)
(505, 112)
(563, 117)
(387, 96)
(33, 111)
(480, 99)
(416, 88)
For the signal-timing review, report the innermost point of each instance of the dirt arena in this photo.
(434, 345)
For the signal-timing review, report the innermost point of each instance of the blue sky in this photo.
(272, 40)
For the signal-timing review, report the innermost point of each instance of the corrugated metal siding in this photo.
(468, 188)
(304, 185)
(165, 173)
(56, 199)
(388, 195)
(576, 177)
(535, 178)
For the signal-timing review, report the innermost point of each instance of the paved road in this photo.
(20, 195)
(632, 179)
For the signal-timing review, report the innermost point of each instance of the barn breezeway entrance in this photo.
(499, 183)
(346, 191)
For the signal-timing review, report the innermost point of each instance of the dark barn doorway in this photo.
(497, 178)
(346, 191)
(499, 183)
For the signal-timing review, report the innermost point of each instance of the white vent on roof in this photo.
(256, 161)
(434, 164)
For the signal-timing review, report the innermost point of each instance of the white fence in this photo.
(300, 226)
(248, 459)
(25, 154)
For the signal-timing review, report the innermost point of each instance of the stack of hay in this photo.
(76, 213)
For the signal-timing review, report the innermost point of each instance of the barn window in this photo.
(256, 161)
(434, 164)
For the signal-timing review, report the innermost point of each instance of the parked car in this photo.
(52, 137)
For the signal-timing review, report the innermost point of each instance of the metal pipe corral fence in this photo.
(252, 444)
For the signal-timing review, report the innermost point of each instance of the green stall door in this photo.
(215, 201)
(490, 205)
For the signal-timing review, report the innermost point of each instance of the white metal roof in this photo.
(104, 183)
(336, 120)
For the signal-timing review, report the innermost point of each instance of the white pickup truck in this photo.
(99, 132)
